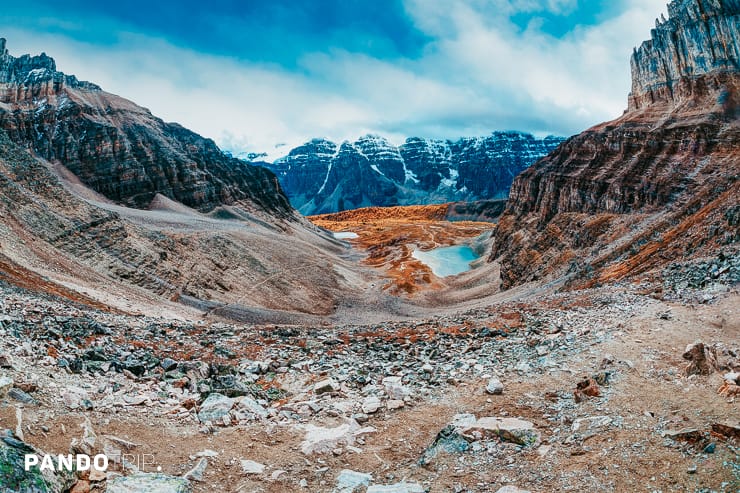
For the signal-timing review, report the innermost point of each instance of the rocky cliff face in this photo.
(322, 177)
(120, 149)
(700, 37)
(618, 188)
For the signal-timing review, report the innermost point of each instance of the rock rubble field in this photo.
(609, 389)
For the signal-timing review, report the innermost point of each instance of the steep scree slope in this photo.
(56, 242)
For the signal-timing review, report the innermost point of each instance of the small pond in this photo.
(447, 261)
(345, 235)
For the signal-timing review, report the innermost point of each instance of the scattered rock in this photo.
(690, 435)
(321, 440)
(370, 404)
(126, 444)
(97, 476)
(13, 476)
(727, 429)
(251, 407)
(168, 364)
(20, 396)
(394, 404)
(395, 389)
(5, 362)
(77, 398)
(586, 388)
(135, 400)
(449, 440)
(495, 387)
(196, 473)
(252, 467)
(207, 453)
(348, 481)
(591, 423)
(26, 386)
(214, 408)
(702, 359)
(151, 483)
(508, 429)
(396, 488)
(511, 489)
(324, 386)
(543, 450)
(733, 378)
(728, 389)
(82, 486)
(6, 383)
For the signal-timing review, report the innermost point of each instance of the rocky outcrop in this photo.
(322, 177)
(658, 178)
(481, 211)
(14, 478)
(120, 149)
(699, 37)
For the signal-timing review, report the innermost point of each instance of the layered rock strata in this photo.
(661, 177)
(120, 149)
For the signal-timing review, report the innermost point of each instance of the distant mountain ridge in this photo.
(120, 149)
(323, 177)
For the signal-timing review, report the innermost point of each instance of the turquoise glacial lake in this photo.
(447, 261)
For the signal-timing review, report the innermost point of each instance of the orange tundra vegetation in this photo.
(389, 236)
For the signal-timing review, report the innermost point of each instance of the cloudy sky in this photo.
(256, 74)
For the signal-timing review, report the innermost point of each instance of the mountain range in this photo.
(322, 176)
(96, 191)
(120, 149)
(120, 194)
(159, 297)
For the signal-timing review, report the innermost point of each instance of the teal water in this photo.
(447, 261)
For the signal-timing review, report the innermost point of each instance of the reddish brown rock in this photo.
(702, 359)
(586, 388)
(729, 390)
(729, 430)
(82, 486)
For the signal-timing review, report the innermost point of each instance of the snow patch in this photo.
(375, 168)
(450, 182)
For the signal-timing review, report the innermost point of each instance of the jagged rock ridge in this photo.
(699, 37)
(322, 177)
(120, 149)
(663, 177)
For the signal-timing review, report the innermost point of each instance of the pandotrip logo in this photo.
(68, 462)
(82, 462)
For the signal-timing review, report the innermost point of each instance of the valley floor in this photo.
(381, 394)
(388, 237)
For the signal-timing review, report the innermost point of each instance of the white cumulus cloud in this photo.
(479, 73)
